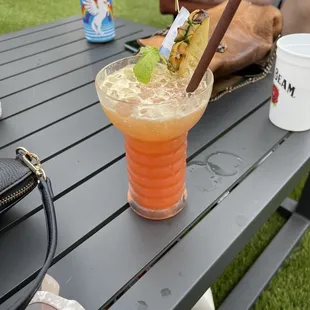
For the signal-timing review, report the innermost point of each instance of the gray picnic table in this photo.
(241, 168)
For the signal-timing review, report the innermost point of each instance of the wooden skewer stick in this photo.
(213, 44)
(177, 6)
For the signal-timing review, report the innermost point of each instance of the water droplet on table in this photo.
(142, 305)
(201, 171)
(225, 164)
(165, 292)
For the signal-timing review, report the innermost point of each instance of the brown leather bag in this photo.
(247, 50)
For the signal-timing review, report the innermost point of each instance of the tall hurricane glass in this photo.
(155, 120)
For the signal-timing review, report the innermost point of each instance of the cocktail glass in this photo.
(155, 142)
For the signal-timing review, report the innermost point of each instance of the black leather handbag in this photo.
(18, 177)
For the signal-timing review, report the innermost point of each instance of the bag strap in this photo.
(45, 188)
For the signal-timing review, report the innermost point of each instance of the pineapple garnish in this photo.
(190, 42)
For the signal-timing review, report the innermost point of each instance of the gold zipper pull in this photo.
(32, 161)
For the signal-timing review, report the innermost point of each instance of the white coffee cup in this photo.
(290, 102)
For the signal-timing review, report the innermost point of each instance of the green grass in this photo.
(245, 258)
(290, 288)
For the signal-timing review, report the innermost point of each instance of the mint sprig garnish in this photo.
(143, 69)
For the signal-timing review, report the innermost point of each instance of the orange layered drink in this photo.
(155, 119)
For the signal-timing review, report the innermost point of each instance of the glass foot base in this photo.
(158, 214)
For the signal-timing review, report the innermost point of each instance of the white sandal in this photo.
(47, 298)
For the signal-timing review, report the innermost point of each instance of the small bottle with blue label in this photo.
(98, 20)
